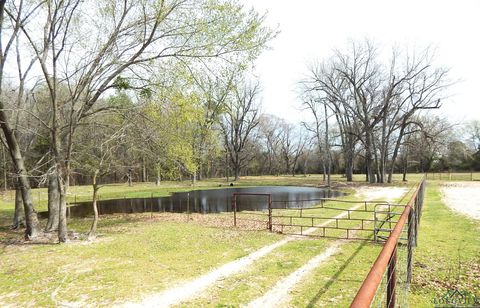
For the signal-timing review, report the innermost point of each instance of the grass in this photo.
(335, 283)
(448, 252)
(454, 176)
(261, 276)
(135, 255)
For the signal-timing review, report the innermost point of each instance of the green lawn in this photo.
(134, 257)
(448, 252)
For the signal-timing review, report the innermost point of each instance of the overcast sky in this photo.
(310, 29)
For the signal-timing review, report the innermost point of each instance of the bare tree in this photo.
(238, 124)
(4, 165)
(320, 133)
(270, 130)
(97, 153)
(374, 103)
(292, 142)
(473, 133)
(19, 14)
(434, 134)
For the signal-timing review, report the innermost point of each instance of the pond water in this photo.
(210, 201)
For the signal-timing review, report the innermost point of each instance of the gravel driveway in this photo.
(463, 197)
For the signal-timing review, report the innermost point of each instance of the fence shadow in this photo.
(334, 278)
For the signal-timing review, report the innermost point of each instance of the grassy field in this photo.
(448, 253)
(136, 255)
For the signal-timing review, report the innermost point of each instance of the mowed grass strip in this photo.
(256, 280)
(335, 283)
(135, 259)
(448, 252)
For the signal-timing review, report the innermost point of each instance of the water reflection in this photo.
(209, 201)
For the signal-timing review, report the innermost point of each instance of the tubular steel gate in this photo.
(331, 218)
(393, 224)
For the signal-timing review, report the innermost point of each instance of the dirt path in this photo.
(194, 288)
(463, 197)
(277, 296)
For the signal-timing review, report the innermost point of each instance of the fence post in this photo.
(270, 213)
(188, 206)
(392, 279)
(411, 235)
(415, 216)
(151, 205)
(234, 203)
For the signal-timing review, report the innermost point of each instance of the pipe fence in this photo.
(388, 282)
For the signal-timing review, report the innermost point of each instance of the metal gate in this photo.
(330, 218)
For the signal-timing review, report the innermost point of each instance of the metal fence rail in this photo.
(388, 281)
(330, 218)
(453, 176)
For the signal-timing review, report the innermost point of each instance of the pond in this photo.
(210, 201)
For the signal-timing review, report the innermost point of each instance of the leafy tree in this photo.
(125, 39)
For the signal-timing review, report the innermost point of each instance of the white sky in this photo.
(311, 29)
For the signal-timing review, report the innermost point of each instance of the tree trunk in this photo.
(349, 166)
(324, 170)
(227, 175)
(236, 166)
(200, 171)
(4, 159)
(19, 216)
(158, 180)
(62, 221)
(237, 172)
(395, 152)
(93, 229)
(53, 204)
(327, 149)
(405, 166)
(144, 170)
(368, 158)
(382, 161)
(377, 163)
(32, 226)
(378, 172)
(129, 177)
